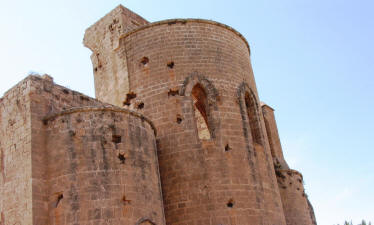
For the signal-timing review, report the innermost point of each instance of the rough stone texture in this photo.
(205, 152)
(70, 159)
(295, 202)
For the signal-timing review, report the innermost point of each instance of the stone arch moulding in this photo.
(190, 84)
(145, 221)
(250, 113)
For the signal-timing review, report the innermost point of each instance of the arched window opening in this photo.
(201, 111)
(253, 118)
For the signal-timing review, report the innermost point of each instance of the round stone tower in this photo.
(102, 167)
(193, 79)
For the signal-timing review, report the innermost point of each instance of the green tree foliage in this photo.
(363, 222)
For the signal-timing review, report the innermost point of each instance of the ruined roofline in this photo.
(49, 79)
(263, 104)
(109, 108)
(118, 10)
(184, 21)
(46, 78)
(292, 171)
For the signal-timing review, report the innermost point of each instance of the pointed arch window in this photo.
(253, 118)
(201, 111)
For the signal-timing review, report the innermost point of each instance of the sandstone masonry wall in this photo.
(103, 38)
(185, 141)
(225, 179)
(294, 199)
(15, 156)
(103, 168)
(52, 174)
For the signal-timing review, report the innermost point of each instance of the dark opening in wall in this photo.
(59, 198)
(125, 200)
(254, 119)
(179, 119)
(122, 158)
(173, 92)
(144, 61)
(129, 97)
(227, 148)
(66, 91)
(170, 65)
(116, 138)
(201, 110)
(140, 105)
(230, 203)
(84, 98)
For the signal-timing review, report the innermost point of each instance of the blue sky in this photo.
(313, 62)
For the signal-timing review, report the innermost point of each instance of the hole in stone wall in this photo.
(129, 97)
(116, 139)
(84, 98)
(179, 119)
(140, 105)
(170, 65)
(125, 200)
(65, 91)
(72, 133)
(230, 203)
(227, 148)
(144, 61)
(280, 174)
(59, 198)
(95, 69)
(173, 92)
(122, 158)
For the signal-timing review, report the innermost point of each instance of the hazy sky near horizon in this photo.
(312, 59)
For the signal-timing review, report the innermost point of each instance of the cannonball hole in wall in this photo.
(173, 92)
(140, 105)
(179, 119)
(59, 198)
(230, 203)
(227, 148)
(170, 65)
(144, 61)
(116, 138)
(122, 158)
(129, 96)
(125, 200)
